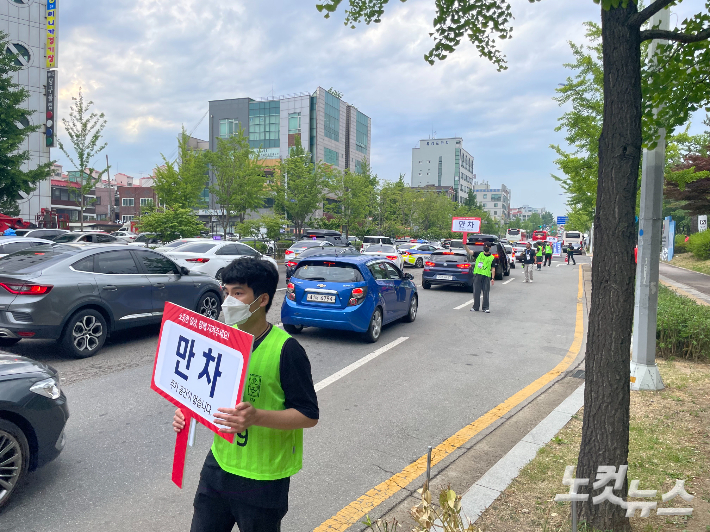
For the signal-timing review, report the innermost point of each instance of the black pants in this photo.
(481, 283)
(548, 259)
(539, 262)
(570, 258)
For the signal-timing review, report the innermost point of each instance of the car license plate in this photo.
(320, 298)
(445, 277)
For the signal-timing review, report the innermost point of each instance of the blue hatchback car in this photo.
(355, 293)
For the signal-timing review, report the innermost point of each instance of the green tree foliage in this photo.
(273, 225)
(239, 180)
(182, 181)
(170, 223)
(14, 129)
(301, 186)
(352, 193)
(84, 129)
(249, 229)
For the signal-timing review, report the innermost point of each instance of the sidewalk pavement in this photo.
(696, 284)
(487, 489)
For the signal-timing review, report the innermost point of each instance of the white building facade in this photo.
(443, 163)
(495, 201)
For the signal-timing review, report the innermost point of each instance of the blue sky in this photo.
(152, 66)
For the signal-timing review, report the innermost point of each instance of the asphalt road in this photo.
(696, 280)
(453, 366)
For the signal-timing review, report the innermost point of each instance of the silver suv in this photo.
(78, 294)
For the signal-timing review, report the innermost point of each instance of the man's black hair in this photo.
(259, 275)
(486, 247)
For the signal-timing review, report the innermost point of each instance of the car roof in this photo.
(348, 259)
(8, 239)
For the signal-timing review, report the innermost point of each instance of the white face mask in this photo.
(236, 312)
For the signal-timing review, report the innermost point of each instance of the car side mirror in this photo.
(409, 276)
(184, 271)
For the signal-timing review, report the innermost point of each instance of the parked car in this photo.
(356, 293)
(125, 235)
(450, 268)
(33, 414)
(416, 254)
(11, 244)
(297, 248)
(45, 234)
(172, 246)
(373, 240)
(292, 264)
(79, 294)
(334, 237)
(146, 240)
(476, 244)
(384, 251)
(510, 254)
(212, 257)
(270, 244)
(92, 238)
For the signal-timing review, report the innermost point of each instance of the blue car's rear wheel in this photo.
(292, 329)
(375, 329)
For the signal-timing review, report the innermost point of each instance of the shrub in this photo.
(683, 326)
(680, 245)
(261, 247)
(699, 245)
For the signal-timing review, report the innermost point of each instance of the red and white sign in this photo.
(465, 225)
(200, 365)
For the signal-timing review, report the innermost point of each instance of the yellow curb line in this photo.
(357, 509)
(686, 294)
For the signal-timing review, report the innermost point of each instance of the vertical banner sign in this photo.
(51, 33)
(200, 366)
(50, 123)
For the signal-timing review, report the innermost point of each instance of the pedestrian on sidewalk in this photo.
(528, 262)
(539, 255)
(247, 482)
(548, 254)
(570, 255)
(483, 272)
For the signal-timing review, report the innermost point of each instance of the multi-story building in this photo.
(449, 192)
(25, 23)
(495, 201)
(443, 163)
(525, 212)
(131, 199)
(330, 129)
(65, 202)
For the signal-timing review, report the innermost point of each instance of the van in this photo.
(370, 240)
(334, 237)
(572, 237)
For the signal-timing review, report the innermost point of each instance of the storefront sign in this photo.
(50, 110)
(51, 34)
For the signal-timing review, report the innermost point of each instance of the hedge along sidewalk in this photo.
(669, 440)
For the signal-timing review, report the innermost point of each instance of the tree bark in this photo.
(605, 431)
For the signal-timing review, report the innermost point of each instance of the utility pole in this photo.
(644, 372)
(111, 218)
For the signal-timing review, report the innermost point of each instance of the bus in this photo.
(516, 235)
(539, 234)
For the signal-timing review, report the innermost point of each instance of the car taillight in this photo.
(428, 263)
(464, 266)
(448, 253)
(24, 289)
(200, 260)
(290, 291)
(291, 264)
(288, 252)
(357, 296)
(392, 257)
(495, 255)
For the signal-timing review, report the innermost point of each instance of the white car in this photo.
(511, 254)
(146, 240)
(11, 244)
(172, 246)
(125, 235)
(292, 253)
(386, 252)
(416, 254)
(211, 257)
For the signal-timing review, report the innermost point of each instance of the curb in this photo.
(686, 269)
(685, 290)
(487, 489)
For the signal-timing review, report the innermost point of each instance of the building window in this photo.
(332, 117)
(294, 124)
(96, 200)
(127, 202)
(101, 216)
(485, 196)
(495, 213)
(361, 128)
(440, 168)
(126, 218)
(146, 201)
(358, 167)
(495, 204)
(22, 55)
(312, 145)
(228, 127)
(264, 119)
(331, 157)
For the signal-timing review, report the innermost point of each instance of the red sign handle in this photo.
(181, 449)
(465, 239)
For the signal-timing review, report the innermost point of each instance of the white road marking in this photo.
(279, 289)
(364, 360)
(509, 280)
(464, 305)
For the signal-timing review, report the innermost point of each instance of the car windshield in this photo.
(144, 238)
(406, 246)
(34, 259)
(21, 232)
(448, 256)
(329, 271)
(318, 251)
(306, 244)
(508, 249)
(196, 248)
(67, 237)
(381, 249)
(176, 244)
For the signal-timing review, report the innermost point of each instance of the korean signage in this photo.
(465, 225)
(562, 220)
(51, 33)
(200, 366)
(270, 153)
(702, 223)
(50, 110)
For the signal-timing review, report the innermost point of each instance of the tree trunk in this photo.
(605, 432)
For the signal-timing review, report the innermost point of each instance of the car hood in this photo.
(12, 366)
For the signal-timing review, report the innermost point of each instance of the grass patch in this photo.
(669, 439)
(683, 327)
(690, 262)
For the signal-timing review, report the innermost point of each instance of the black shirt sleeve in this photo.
(297, 381)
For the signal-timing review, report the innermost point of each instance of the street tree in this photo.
(605, 433)
(239, 180)
(170, 223)
(180, 182)
(273, 224)
(15, 127)
(84, 129)
(353, 193)
(301, 186)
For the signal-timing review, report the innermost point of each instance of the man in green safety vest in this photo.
(247, 482)
(483, 273)
(539, 254)
(548, 255)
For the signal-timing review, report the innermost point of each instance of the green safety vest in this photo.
(262, 453)
(483, 264)
(548, 250)
(539, 251)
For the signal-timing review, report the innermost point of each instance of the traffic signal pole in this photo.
(644, 371)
